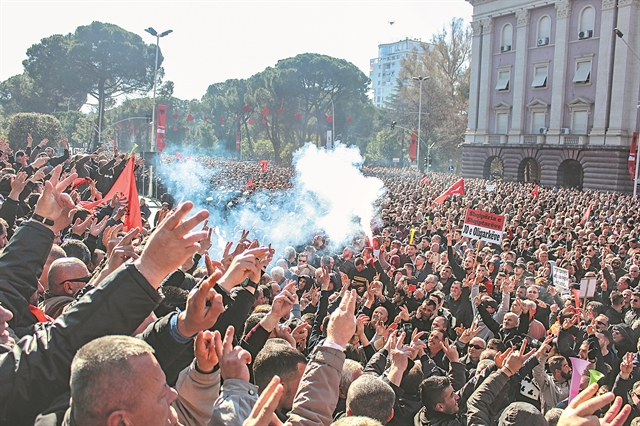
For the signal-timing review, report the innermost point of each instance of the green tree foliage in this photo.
(40, 126)
(384, 148)
(77, 127)
(100, 59)
(444, 96)
(291, 104)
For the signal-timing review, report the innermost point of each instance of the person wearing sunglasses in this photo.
(66, 277)
(470, 360)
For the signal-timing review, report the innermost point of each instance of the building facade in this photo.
(554, 94)
(384, 70)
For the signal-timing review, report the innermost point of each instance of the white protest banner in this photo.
(561, 279)
(490, 188)
(483, 226)
(588, 287)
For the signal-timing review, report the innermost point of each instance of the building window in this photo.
(579, 121)
(587, 21)
(579, 110)
(540, 76)
(583, 71)
(502, 123)
(544, 31)
(538, 121)
(503, 80)
(506, 38)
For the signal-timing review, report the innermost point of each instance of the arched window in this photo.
(587, 22)
(506, 38)
(544, 31)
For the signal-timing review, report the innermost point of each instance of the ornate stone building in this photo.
(554, 93)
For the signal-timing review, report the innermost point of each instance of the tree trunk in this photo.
(100, 123)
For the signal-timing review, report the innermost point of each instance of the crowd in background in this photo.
(414, 324)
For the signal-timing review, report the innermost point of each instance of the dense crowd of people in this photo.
(410, 324)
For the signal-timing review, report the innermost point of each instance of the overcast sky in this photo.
(214, 40)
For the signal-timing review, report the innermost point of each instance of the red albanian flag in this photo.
(247, 107)
(126, 185)
(330, 119)
(535, 192)
(265, 112)
(425, 180)
(264, 121)
(631, 164)
(264, 165)
(280, 111)
(190, 117)
(175, 116)
(456, 188)
(250, 121)
(349, 119)
(205, 118)
(250, 184)
(175, 128)
(297, 116)
(222, 120)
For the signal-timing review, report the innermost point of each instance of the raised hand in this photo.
(17, 185)
(581, 409)
(325, 279)
(544, 348)
(205, 352)
(283, 302)
(264, 411)
(53, 203)
(626, 366)
(342, 323)
(80, 226)
(171, 245)
(95, 228)
(243, 266)
(450, 351)
(515, 360)
(233, 361)
(470, 333)
(204, 306)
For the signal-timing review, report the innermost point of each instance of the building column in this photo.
(605, 58)
(474, 83)
(626, 76)
(485, 78)
(519, 78)
(563, 11)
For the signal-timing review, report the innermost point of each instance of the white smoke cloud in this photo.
(329, 194)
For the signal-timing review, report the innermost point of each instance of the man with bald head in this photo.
(66, 277)
(55, 253)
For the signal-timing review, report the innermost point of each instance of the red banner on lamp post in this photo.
(412, 146)
(160, 127)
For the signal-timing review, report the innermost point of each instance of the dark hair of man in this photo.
(252, 321)
(277, 360)
(597, 307)
(359, 261)
(555, 363)
(429, 302)
(77, 249)
(616, 298)
(369, 396)
(174, 297)
(101, 377)
(411, 381)
(432, 391)
(265, 291)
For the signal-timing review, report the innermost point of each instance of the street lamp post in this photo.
(333, 125)
(420, 79)
(154, 33)
(635, 178)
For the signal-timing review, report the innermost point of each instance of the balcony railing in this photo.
(530, 139)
